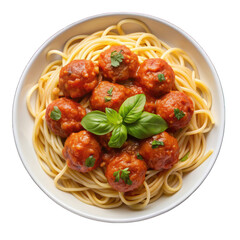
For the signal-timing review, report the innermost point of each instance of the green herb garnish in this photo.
(139, 156)
(184, 158)
(131, 119)
(113, 116)
(178, 114)
(55, 113)
(109, 92)
(90, 161)
(156, 143)
(124, 175)
(161, 77)
(107, 98)
(97, 123)
(119, 136)
(116, 58)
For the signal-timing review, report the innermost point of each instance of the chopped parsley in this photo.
(139, 156)
(178, 114)
(55, 113)
(109, 92)
(116, 58)
(156, 143)
(107, 98)
(161, 77)
(184, 158)
(124, 175)
(90, 161)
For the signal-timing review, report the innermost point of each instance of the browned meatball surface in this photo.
(127, 67)
(110, 95)
(125, 172)
(156, 76)
(63, 117)
(176, 108)
(160, 151)
(82, 152)
(78, 78)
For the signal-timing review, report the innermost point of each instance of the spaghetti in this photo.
(92, 187)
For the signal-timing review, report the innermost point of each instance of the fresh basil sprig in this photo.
(119, 136)
(130, 120)
(132, 108)
(147, 125)
(96, 122)
(113, 116)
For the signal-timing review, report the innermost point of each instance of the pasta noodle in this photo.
(92, 187)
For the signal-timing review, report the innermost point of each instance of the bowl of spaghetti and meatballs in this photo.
(113, 125)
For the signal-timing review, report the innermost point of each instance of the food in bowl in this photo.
(120, 118)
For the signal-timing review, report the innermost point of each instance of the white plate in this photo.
(23, 123)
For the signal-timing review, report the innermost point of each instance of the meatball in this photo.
(109, 95)
(130, 146)
(125, 172)
(176, 108)
(82, 152)
(104, 139)
(160, 151)
(78, 78)
(124, 67)
(63, 117)
(156, 76)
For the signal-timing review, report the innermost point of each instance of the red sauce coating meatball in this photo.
(78, 78)
(160, 157)
(131, 146)
(126, 69)
(82, 152)
(71, 116)
(110, 95)
(137, 173)
(104, 139)
(176, 108)
(156, 76)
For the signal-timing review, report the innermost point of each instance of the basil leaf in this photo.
(147, 125)
(55, 113)
(132, 108)
(113, 116)
(96, 122)
(119, 137)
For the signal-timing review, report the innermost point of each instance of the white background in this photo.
(212, 212)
